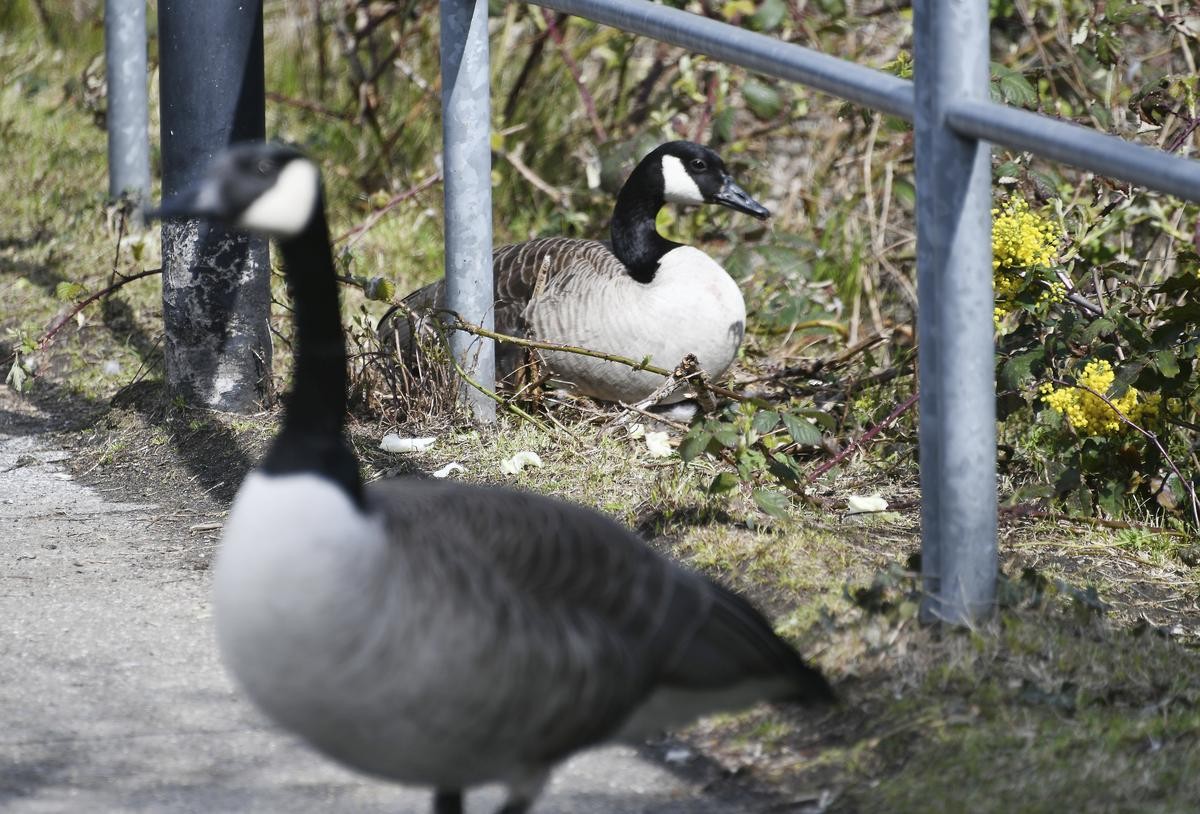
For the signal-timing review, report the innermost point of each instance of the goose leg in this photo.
(447, 801)
(523, 791)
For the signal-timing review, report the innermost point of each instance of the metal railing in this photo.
(954, 123)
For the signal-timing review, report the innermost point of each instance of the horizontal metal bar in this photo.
(758, 52)
(1078, 146)
(997, 124)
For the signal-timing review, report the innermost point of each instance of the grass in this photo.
(1082, 694)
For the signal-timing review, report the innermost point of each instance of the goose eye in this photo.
(698, 165)
(264, 167)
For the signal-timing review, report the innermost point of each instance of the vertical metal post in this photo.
(128, 118)
(467, 170)
(216, 282)
(954, 323)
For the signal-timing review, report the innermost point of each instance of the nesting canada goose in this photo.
(640, 295)
(435, 633)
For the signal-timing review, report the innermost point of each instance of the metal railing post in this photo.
(954, 322)
(128, 118)
(467, 170)
(217, 347)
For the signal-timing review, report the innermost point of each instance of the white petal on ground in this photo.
(453, 466)
(394, 443)
(659, 444)
(860, 504)
(513, 465)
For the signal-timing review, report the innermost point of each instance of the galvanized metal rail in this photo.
(954, 124)
(128, 100)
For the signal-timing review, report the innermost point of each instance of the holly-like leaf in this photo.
(1019, 370)
(1166, 363)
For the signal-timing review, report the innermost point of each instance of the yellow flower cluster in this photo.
(1089, 414)
(1021, 240)
(1055, 293)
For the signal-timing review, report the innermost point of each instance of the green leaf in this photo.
(1166, 363)
(694, 443)
(1011, 87)
(1018, 371)
(769, 15)
(1009, 169)
(726, 435)
(722, 483)
(771, 502)
(823, 419)
(764, 421)
(1101, 327)
(68, 291)
(18, 379)
(764, 100)
(749, 462)
(722, 126)
(802, 430)
(784, 468)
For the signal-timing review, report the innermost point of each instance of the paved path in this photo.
(112, 698)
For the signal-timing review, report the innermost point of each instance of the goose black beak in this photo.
(736, 198)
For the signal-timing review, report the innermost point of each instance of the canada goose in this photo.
(436, 633)
(640, 295)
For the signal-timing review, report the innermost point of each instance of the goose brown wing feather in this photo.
(519, 270)
(594, 621)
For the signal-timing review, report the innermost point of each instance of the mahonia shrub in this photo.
(1089, 410)
(1094, 343)
(1024, 252)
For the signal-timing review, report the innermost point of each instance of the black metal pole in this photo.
(216, 283)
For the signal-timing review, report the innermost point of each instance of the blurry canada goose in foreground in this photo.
(640, 295)
(436, 633)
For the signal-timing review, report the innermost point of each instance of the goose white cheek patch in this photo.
(285, 208)
(678, 186)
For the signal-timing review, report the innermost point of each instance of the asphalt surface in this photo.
(112, 698)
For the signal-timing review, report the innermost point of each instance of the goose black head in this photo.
(693, 174)
(271, 189)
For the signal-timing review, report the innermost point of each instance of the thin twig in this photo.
(48, 337)
(462, 325)
(358, 231)
(1022, 510)
(863, 439)
(311, 107)
(585, 95)
(514, 158)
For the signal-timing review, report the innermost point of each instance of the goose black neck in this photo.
(635, 239)
(312, 440)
